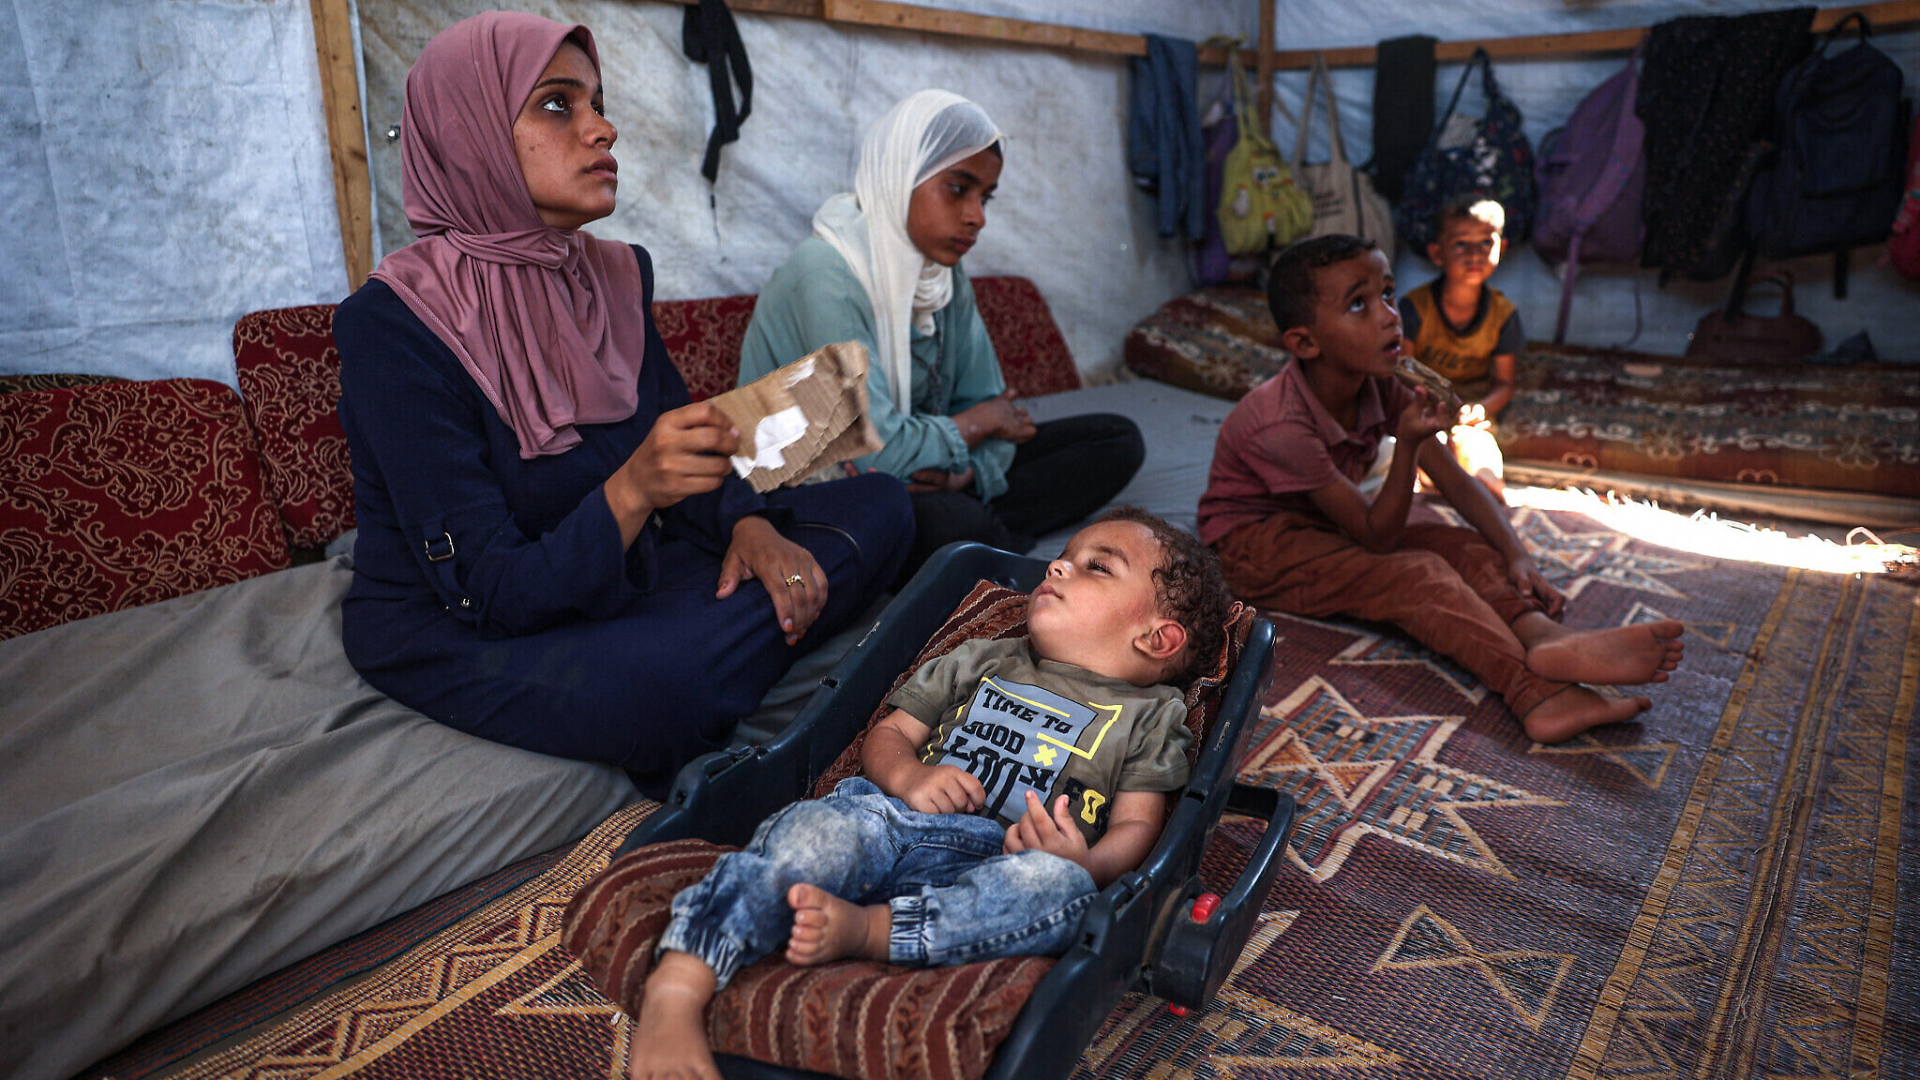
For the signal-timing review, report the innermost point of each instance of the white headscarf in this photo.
(922, 136)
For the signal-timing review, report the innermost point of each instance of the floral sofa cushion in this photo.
(1220, 341)
(126, 493)
(289, 373)
(1033, 353)
(703, 337)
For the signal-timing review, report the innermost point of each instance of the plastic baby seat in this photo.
(1016, 1017)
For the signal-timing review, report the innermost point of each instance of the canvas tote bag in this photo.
(1343, 197)
(1260, 208)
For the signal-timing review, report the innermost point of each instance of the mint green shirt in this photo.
(814, 300)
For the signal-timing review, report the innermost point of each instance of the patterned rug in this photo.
(1715, 891)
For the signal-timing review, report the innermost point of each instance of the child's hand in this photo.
(1527, 579)
(944, 789)
(1055, 835)
(1475, 416)
(1425, 417)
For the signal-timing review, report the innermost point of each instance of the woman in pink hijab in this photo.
(553, 551)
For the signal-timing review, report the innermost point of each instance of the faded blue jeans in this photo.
(955, 898)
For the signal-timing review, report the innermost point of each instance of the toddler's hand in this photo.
(944, 789)
(1425, 417)
(1055, 834)
(1475, 415)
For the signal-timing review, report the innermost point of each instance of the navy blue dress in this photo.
(491, 593)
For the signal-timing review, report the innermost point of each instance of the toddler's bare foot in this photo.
(827, 928)
(1574, 710)
(1641, 653)
(670, 1035)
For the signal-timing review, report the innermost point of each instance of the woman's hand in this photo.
(684, 454)
(1528, 580)
(940, 480)
(793, 579)
(995, 418)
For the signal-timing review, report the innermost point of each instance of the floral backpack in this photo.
(1488, 156)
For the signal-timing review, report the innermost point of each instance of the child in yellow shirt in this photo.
(1466, 330)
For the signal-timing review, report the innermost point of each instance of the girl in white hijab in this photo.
(883, 268)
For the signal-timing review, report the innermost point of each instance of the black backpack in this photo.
(1840, 157)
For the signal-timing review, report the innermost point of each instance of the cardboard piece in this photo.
(1417, 375)
(802, 418)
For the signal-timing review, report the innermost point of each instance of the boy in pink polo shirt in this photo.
(1296, 534)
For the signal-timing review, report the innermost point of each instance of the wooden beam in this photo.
(346, 135)
(1885, 15)
(1263, 50)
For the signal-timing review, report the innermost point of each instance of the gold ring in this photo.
(795, 579)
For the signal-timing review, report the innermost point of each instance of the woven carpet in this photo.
(1715, 891)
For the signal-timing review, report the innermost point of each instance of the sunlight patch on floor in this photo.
(1703, 533)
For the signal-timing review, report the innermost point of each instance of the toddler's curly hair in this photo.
(1188, 588)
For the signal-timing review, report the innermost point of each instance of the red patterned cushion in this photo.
(1033, 354)
(703, 337)
(857, 1018)
(1219, 340)
(123, 494)
(289, 375)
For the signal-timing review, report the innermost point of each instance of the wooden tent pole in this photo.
(1884, 15)
(1264, 67)
(346, 135)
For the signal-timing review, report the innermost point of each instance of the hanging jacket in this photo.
(1163, 133)
(1706, 97)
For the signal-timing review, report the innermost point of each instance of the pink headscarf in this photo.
(547, 321)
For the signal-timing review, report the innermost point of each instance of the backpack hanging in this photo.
(1590, 174)
(1343, 197)
(1260, 208)
(1837, 175)
(1495, 162)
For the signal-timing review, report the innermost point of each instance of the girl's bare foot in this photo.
(670, 1035)
(1574, 710)
(827, 928)
(1641, 653)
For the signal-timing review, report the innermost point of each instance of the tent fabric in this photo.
(191, 183)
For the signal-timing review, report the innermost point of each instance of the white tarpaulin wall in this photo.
(1066, 214)
(163, 171)
(163, 164)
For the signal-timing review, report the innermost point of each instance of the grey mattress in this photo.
(201, 791)
(1179, 427)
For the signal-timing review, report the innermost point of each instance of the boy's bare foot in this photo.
(1641, 653)
(670, 1035)
(827, 928)
(1574, 710)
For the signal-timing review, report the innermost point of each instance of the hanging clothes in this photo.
(1163, 134)
(1706, 97)
(709, 36)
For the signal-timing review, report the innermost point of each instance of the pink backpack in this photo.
(1590, 174)
(1903, 246)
